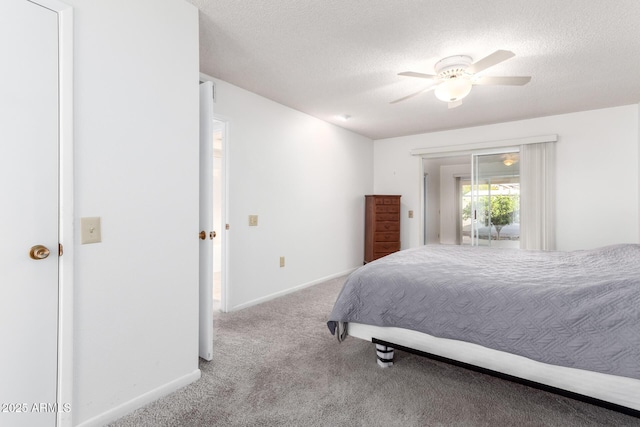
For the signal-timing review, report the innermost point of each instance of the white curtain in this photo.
(537, 196)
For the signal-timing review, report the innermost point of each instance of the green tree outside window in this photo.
(502, 209)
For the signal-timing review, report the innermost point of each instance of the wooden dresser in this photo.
(382, 226)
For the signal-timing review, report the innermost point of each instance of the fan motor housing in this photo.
(452, 66)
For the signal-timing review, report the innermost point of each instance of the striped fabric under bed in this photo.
(385, 355)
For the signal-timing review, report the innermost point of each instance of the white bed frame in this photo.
(616, 390)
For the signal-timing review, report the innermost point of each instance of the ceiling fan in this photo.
(455, 75)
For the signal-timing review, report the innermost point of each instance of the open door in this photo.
(206, 221)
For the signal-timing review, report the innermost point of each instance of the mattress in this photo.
(577, 309)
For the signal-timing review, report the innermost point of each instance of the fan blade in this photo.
(419, 75)
(454, 104)
(489, 61)
(505, 81)
(413, 94)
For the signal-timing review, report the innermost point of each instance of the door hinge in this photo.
(60, 250)
(226, 227)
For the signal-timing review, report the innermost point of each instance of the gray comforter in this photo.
(576, 309)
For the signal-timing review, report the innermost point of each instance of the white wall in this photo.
(136, 166)
(597, 172)
(396, 172)
(306, 180)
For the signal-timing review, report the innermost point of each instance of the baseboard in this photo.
(140, 401)
(290, 290)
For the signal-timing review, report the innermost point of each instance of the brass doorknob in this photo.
(203, 235)
(38, 252)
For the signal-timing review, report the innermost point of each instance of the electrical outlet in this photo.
(90, 230)
(410, 214)
(281, 261)
(253, 220)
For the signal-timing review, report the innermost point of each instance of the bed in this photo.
(567, 322)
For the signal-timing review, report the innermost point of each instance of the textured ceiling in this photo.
(337, 57)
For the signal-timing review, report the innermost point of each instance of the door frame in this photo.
(66, 233)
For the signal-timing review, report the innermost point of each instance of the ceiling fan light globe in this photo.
(453, 89)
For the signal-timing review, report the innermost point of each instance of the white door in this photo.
(206, 221)
(28, 213)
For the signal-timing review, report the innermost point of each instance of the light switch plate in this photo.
(253, 220)
(90, 231)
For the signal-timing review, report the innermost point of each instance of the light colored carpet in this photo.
(276, 364)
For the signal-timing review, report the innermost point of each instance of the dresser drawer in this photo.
(393, 236)
(387, 209)
(388, 217)
(386, 247)
(386, 226)
(387, 201)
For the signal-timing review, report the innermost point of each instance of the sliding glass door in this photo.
(494, 203)
(480, 196)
